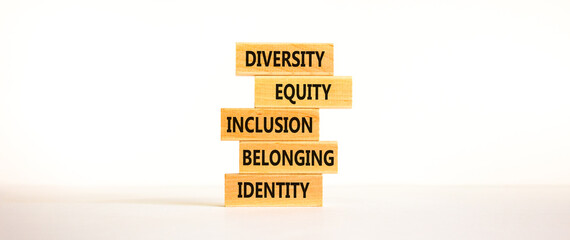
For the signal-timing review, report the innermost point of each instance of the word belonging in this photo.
(284, 157)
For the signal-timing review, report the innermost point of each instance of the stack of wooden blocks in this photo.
(281, 160)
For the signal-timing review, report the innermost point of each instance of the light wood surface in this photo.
(303, 91)
(273, 157)
(284, 59)
(273, 190)
(288, 124)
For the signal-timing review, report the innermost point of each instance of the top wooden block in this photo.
(301, 59)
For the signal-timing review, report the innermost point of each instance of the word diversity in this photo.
(281, 160)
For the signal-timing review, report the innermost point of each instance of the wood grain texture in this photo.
(303, 92)
(288, 157)
(282, 124)
(273, 190)
(277, 66)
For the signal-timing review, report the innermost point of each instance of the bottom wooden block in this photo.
(273, 190)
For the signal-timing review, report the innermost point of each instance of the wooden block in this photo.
(284, 59)
(288, 157)
(274, 190)
(303, 92)
(269, 124)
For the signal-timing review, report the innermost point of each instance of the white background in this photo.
(129, 92)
